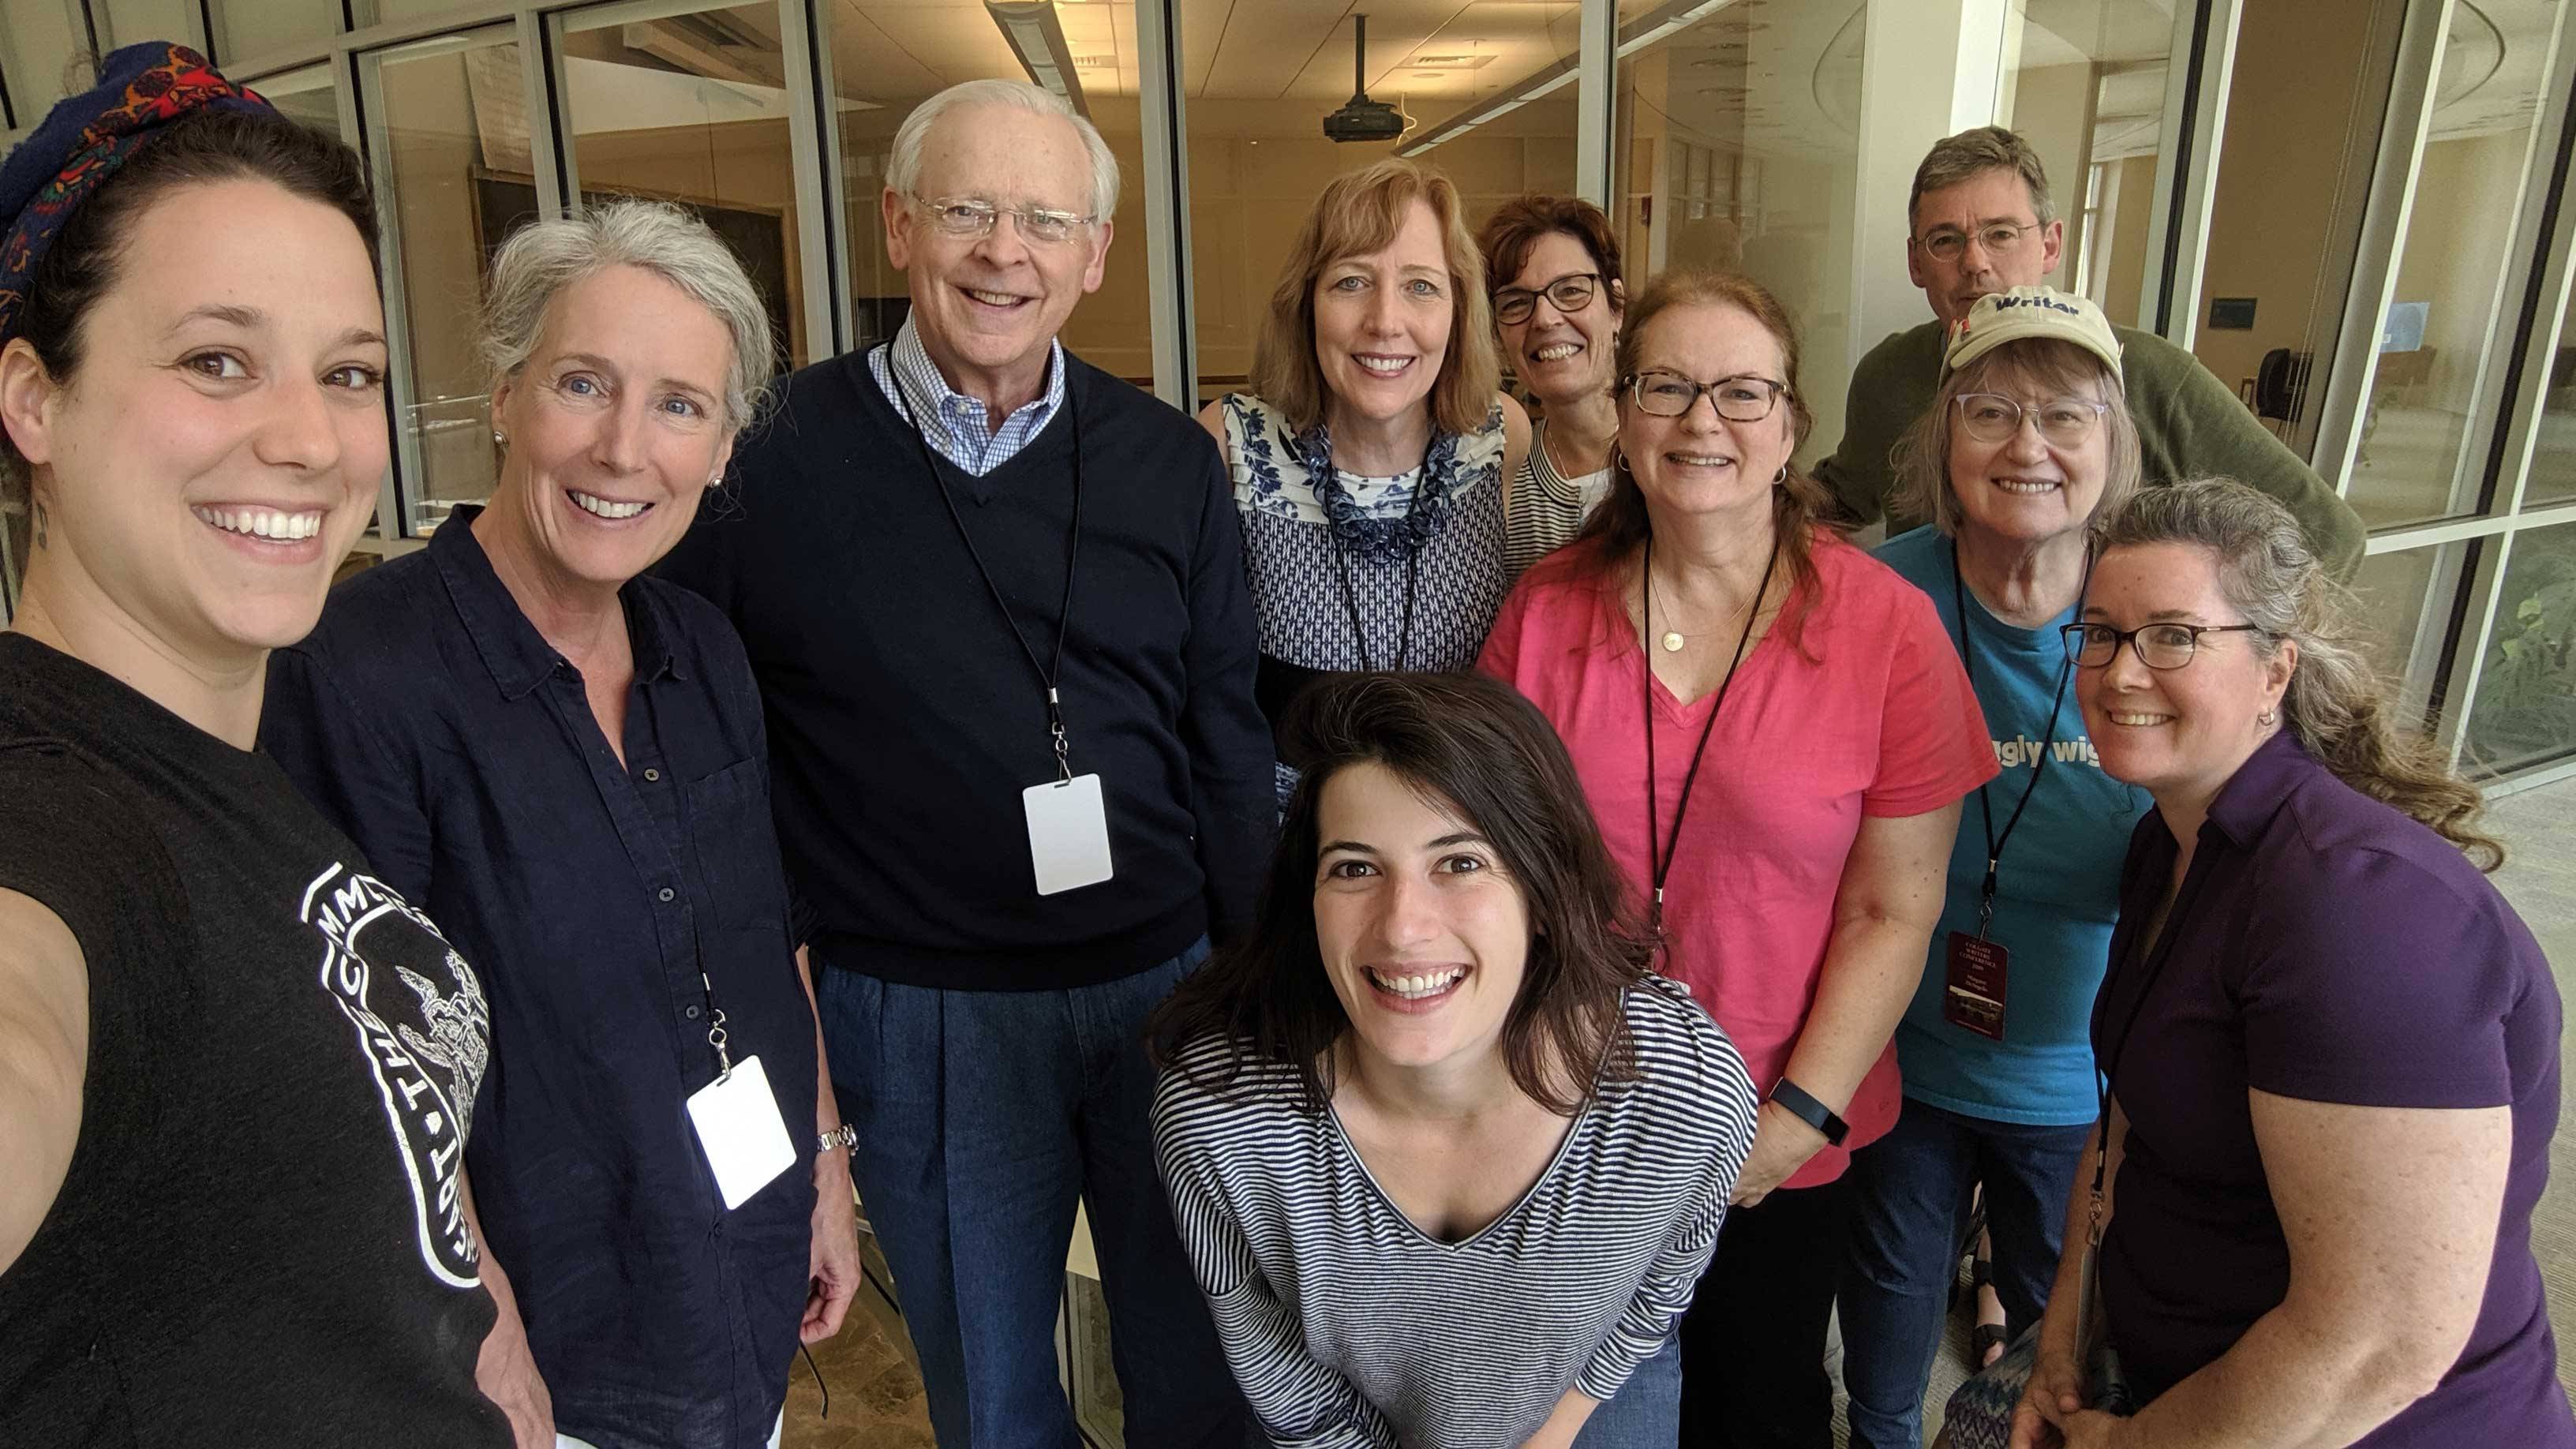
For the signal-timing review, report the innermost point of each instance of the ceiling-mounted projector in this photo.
(1362, 119)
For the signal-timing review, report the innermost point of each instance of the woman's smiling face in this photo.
(1382, 320)
(2177, 733)
(1422, 932)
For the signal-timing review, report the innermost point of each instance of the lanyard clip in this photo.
(1986, 898)
(716, 1036)
(1063, 746)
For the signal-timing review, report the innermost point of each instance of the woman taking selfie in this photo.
(235, 1068)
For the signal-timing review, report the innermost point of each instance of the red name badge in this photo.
(1974, 996)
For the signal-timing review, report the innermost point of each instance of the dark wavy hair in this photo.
(1472, 745)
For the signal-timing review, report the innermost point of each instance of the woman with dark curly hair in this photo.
(1447, 1155)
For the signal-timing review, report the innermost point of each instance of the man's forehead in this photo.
(1988, 196)
(1005, 154)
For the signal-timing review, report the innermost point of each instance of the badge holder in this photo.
(737, 1118)
(1068, 823)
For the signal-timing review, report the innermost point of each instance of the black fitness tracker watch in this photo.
(1810, 1111)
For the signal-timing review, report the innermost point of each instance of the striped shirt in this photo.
(1348, 1327)
(960, 427)
(1544, 509)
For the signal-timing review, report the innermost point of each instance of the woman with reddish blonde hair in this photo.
(1775, 737)
(1369, 457)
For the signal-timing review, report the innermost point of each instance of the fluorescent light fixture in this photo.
(1037, 38)
(1635, 36)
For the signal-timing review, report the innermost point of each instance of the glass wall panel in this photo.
(2420, 457)
(42, 43)
(306, 93)
(2525, 710)
(1486, 90)
(128, 22)
(889, 57)
(1738, 147)
(2407, 600)
(449, 144)
(245, 30)
(2553, 451)
(690, 105)
(2303, 121)
(2084, 83)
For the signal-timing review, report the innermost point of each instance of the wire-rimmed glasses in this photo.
(973, 218)
(1999, 238)
(1991, 417)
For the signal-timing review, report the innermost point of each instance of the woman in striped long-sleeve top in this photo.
(1448, 1157)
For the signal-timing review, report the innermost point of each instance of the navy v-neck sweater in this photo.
(903, 721)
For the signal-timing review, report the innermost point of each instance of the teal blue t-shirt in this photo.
(2058, 892)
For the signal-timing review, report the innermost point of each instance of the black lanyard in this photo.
(1048, 674)
(1412, 576)
(2141, 949)
(1659, 854)
(2047, 737)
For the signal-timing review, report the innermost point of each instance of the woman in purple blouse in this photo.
(2331, 1047)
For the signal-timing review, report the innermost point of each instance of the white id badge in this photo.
(741, 1132)
(1068, 833)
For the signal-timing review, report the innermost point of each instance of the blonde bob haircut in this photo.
(2033, 364)
(1360, 213)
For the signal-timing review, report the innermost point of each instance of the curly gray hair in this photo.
(542, 258)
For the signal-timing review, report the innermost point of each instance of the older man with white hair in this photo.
(995, 600)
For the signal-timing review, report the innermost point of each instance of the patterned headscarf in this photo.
(141, 89)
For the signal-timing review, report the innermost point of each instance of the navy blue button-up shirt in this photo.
(432, 722)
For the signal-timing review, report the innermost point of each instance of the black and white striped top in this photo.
(1543, 509)
(1347, 1327)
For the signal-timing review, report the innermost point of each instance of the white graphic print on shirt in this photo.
(365, 928)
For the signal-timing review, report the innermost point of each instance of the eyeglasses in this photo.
(2000, 239)
(1569, 293)
(2159, 646)
(1743, 399)
(968, 217)
(1990, 417)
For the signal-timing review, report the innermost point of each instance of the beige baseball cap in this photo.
(2021, 312)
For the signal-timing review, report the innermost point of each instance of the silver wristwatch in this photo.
(844, 1135)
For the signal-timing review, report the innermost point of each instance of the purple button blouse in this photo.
(2325, 947)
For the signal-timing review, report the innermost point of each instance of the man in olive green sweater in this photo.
(1982, 222)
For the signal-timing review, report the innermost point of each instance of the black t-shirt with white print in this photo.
(260, 1239)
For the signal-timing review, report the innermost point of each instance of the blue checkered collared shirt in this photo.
(960, 427)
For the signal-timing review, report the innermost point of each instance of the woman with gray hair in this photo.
(568, 759)
(2028, 442)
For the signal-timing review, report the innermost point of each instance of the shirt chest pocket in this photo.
(736, 846)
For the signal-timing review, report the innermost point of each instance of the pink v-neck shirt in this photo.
(1866, 713)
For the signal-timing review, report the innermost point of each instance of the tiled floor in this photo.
(876, 1395)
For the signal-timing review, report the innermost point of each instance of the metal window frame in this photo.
(1170, 269)
(2200, 74)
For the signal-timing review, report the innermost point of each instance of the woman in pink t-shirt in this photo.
(1810, 736)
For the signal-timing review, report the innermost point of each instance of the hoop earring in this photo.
(1780, 478)
(499, 438)
(2268, 718)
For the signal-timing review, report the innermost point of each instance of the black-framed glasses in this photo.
(1991, 417)
(2159, 646)
(1740, 399)
(1999, 238)
(1569, 293)
(973, 218)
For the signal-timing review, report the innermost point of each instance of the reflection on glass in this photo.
(40, 46)
(1259, 156)
(1091, 1381)
(1738, 147)
(129, 22)
(306, 94)
(888, 58)
(2553, 451)
(452, 156)
(2084, 83)
(691, 106)
(2525, 709)
(2406, 601)
(2417, 458)
(245, 30)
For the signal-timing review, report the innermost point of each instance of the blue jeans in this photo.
(1910, 1200)
(983, 1116)
(1646, 1413)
